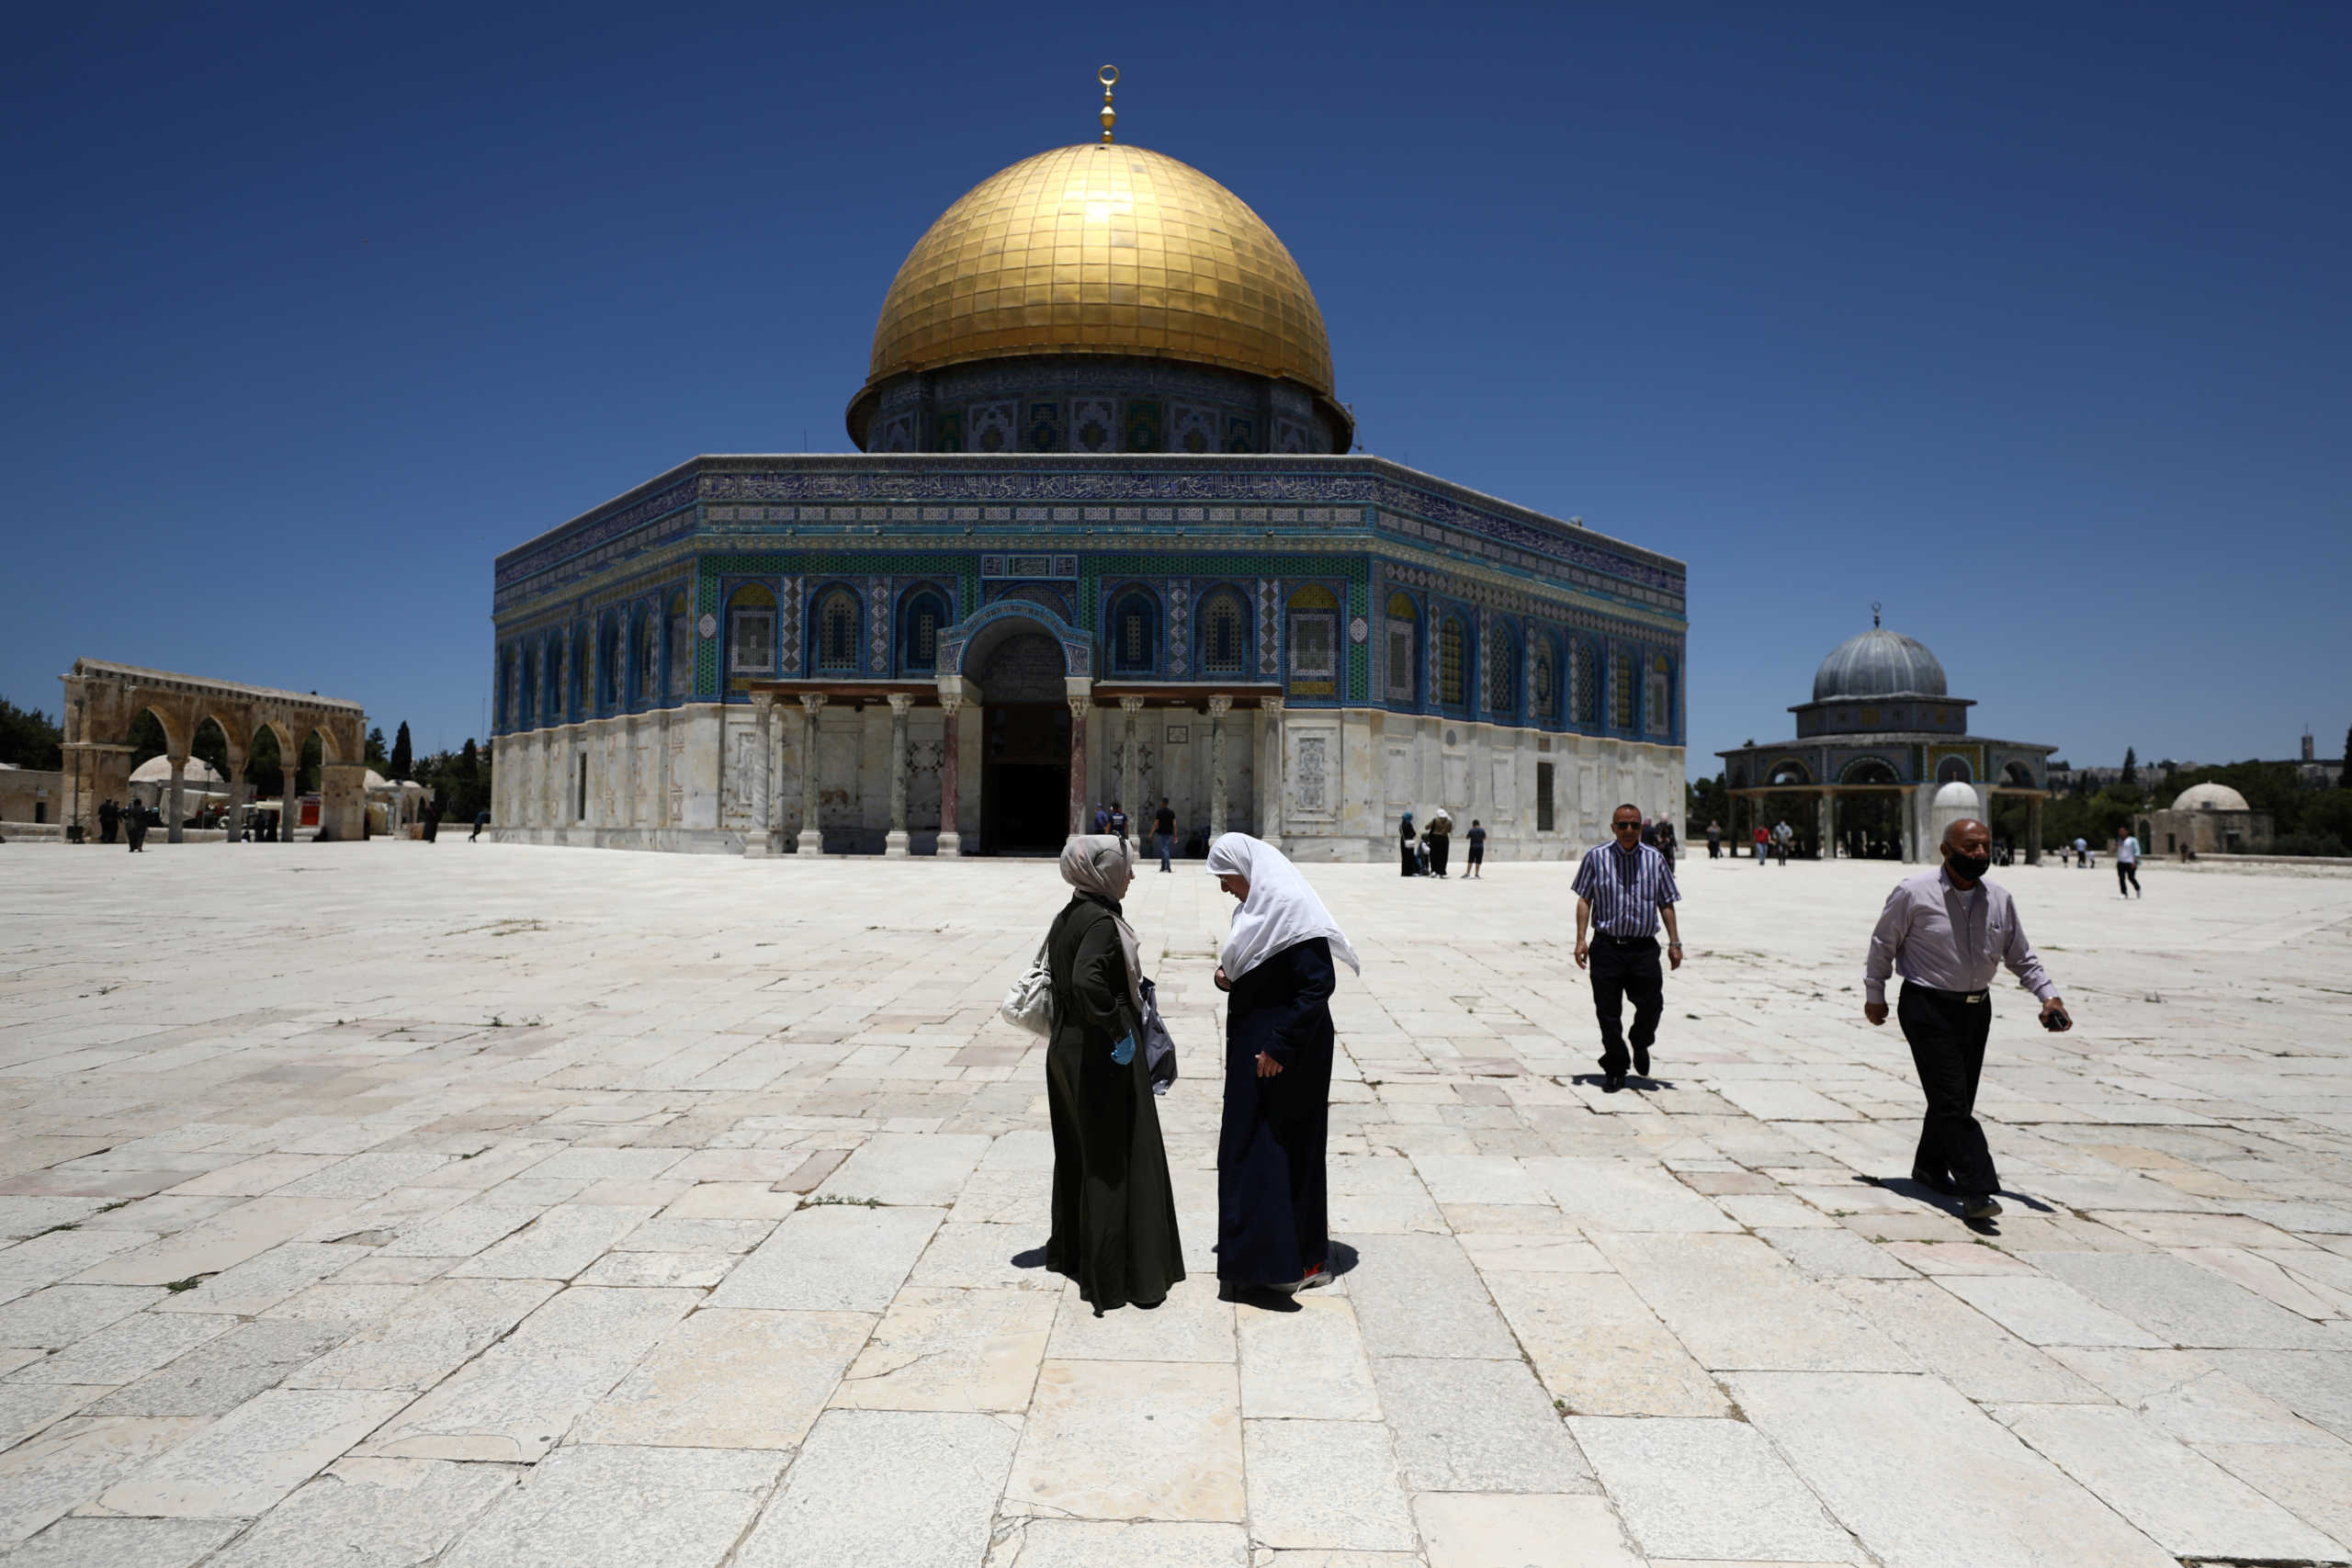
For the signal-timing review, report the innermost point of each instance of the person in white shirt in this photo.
(2127, 865)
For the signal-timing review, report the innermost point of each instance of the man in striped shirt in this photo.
(1623, 890)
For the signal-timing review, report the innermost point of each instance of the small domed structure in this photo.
(2210, 797)
(1879, 663)
(1955, 801)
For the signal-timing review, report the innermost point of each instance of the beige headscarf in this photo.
(1098, 864)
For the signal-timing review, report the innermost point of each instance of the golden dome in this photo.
(1104, 249)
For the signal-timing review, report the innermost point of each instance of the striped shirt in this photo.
(1624, 889)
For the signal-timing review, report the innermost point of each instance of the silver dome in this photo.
(1879, 663)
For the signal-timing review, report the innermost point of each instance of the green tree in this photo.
(2131, 766)
(30, 739)
(376, 756)
(2344, 780)
(403, 756)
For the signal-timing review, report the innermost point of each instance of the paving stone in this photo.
(1466, 1530)
(1707, 1489)
(2181, 1303)
(253, 1456)
(2184, 1501)
(2046, 1312)
(373, 1513)
(982, 1256)
(926, 1484)
(1464, 1426)
(1306, 1365)
(1865, 1442)
(443, 1326)
(2315, 1385)
(218, 1243)
(1328, 1484)
(1601, 1351)
(1968, 1350)
(646, 1507)
(518, 1398)
(222, 1373)
(127, 1349)
(458, 1232)
(1736, 1304)
(558, 1244)
(1131, 1441)
(727, 1378)
(1086, 1543)
(1419, 1295)
(2313, 1484)
(953, 1350)
(1835, 1254)
(834, 1259)
(60, 1255)
(58, 1316)
(909, 1169)
(1192, 1325)
(111, 1543)
(261, 1283)
(1626, 1195)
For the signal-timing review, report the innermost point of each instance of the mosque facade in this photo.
(1107, 538)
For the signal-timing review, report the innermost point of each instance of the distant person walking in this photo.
(139, 824)
(1714, 841)
(1117, 825)
(432, 822)
(1763, 844)
(1113, 1204)
(1947, 932)
(1624, 889)
(2082, 854)
(1408, 860)
(482, 820)
(1439, 838)
(109, 819)
(1272, 1208)
(1667, 842)
(1477, 851)
(2127, 865)
(1163, 827)
(1783, 837)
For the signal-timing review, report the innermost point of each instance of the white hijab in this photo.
(1280, 911)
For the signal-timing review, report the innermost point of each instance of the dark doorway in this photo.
(1024, 778)
(1870, 824)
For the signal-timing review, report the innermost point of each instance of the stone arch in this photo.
(1868, 771)
(967, 645)
(1954, 770)
(1787, 773)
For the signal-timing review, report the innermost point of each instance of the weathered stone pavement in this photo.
(391, 1204)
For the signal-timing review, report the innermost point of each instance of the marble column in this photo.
(1270, 772)
(289, 773)
(950, 751)
(812, 839)
(2033, 830)
(1218, 708)
(894, 842)
(760, 840)
(1079, 821)
(659, 816)
(1130, 785)
(1826, 808)
(173, 832)
(235, 820)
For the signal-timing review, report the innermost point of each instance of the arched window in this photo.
(608, 665)
(682, 646)
(1452, 649)
(1224, 635)
(837, 630)
(1135, 632)
(551, 680)
(1621, 692)
(750, 631)
(1315, 642)
(530, 686)
(1500, 662)
(1544, 679)
(1403, 649)
(921, 619)
(505, 688)
(1658, 709)
(576, 672)
(648, 659)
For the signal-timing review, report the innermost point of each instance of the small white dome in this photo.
(2210, 797)
(376, 781)
(1956, 793)
(158, 770)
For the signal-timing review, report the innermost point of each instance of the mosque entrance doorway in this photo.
(1025, 748)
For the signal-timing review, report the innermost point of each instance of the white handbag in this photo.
(1029, 1002)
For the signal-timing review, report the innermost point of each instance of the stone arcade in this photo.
(1107, 540)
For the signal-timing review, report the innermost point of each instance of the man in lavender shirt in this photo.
(1949, 931)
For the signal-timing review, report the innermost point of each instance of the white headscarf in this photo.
(1280, 911)
(1098, 864)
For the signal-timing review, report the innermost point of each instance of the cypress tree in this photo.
(2131, 763)
(404, 755)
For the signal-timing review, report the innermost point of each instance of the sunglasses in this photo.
(1626, 827)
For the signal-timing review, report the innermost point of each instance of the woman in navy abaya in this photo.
(1272, 1222)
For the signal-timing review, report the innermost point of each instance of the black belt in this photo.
(1940, 994)
(1628, 941)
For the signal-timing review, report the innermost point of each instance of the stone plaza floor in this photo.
(494, 1207)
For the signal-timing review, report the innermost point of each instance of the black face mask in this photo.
(1973, 867)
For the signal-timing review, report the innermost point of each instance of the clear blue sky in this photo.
(2031, 322)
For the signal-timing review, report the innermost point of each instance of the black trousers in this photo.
(1621, 969)
(1947, 1033)
(2127, 870)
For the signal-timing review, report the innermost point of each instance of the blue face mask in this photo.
(1124, 1051)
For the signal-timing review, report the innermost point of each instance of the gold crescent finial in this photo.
(1108, 76)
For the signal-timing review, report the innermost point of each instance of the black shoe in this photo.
(1611, 1082)
(1942, 1184)
(1640, 1063)
(1982, 1207)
